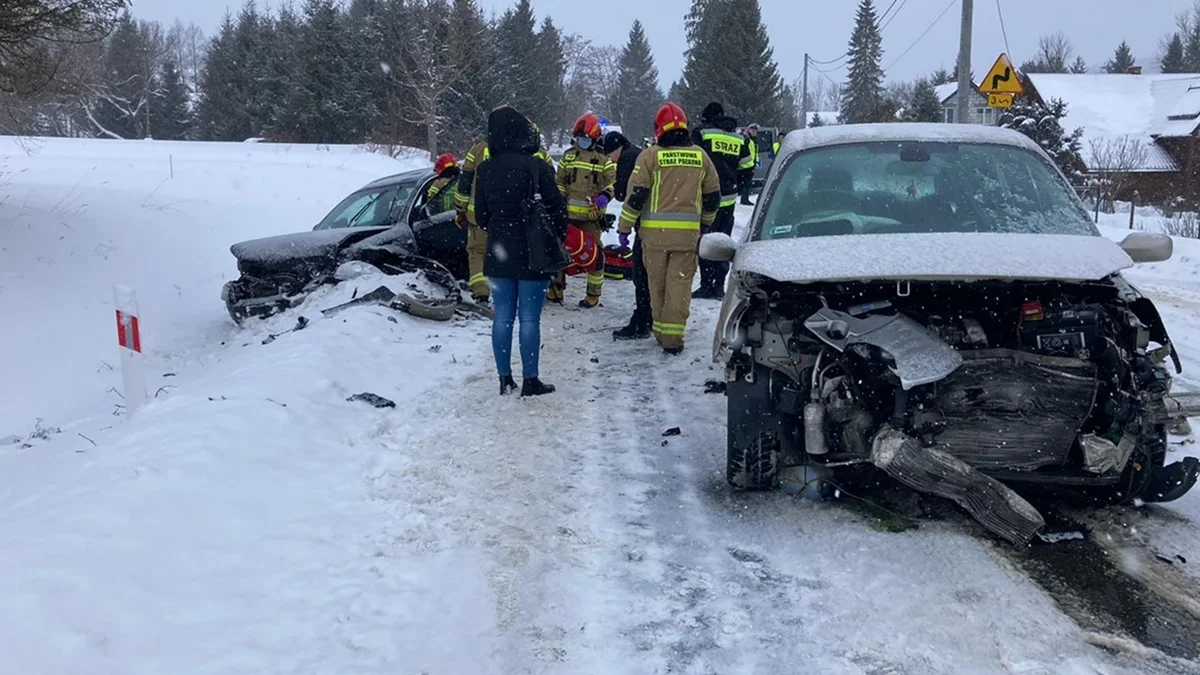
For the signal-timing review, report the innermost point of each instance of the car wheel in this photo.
(754, 431)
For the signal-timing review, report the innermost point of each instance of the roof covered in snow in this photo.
(946, 91)
(1111, 108)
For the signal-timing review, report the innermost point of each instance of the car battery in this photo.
(1073, 332)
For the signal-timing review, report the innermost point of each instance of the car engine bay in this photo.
(966, 389)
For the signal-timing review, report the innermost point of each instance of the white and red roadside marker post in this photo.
(129, 338)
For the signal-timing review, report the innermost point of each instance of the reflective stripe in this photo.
(729, 201)
(595, 278)
(671, 329)
(747, 162)
(628, 215)
(671, 221)
(708, 218)
(477, 279)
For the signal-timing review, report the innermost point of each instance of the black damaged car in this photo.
(385, 223)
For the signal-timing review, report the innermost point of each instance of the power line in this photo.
(843, 57)
(1003, 31)
(889, 21)
(883, 17)
(826, 76)
(921, 36)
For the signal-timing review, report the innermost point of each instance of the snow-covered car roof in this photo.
(415, 174)
(845, 134)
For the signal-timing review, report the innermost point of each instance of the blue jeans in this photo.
(510, 297)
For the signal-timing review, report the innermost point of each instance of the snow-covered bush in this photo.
(1182, 224)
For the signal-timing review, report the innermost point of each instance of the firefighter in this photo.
(747, 177)
(622, 151)
(730, 153)
(585, 178)
(464, 204)
(664, 187)
(440, 196)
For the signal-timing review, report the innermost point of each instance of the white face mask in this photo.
(584, 142)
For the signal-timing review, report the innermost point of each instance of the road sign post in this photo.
(1001, 84)
(129, 339)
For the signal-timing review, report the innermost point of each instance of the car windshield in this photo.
(374, 207)
(920, 187)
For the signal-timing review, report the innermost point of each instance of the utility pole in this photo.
(964, 63)
(804, 95)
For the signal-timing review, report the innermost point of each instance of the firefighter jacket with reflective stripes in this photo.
(464, 197)
(674, 190)
(582, 175)
(440, 196)
(730, 153)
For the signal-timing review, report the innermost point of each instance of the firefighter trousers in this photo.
(476, 253)
(670, 272)
(595, 277)
(712, 274)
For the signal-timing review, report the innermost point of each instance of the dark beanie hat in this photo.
(712, 110)
(612, 141)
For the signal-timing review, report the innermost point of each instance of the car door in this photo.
(438, 236)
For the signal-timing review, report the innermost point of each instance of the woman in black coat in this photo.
(503, 184)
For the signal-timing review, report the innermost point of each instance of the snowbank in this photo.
(77, 216)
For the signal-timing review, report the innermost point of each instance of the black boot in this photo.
(532, 386)
(507, 385)
(672, 351)
(633, 331)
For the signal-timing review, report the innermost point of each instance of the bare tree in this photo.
(1053, 55)
(822, 94)
(424, 71)
(186, 46)
(1114, 162)
(35, 36)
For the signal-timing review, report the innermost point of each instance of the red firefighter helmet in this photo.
(588, 125)
(444, 162)
(669, 118)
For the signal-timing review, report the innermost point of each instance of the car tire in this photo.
(754, 434)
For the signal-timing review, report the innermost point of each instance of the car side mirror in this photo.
(717, 247)
(1145, 247)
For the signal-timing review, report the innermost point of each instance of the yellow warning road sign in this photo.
(1000, 100)
(1002, 79)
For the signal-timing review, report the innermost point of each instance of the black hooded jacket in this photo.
(727, 159)
(502, 185)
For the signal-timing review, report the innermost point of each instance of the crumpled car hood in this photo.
(942, 256)
(300, 245)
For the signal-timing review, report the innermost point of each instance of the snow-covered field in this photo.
(252, 520)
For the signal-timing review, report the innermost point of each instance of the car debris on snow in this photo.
(301, 324)
(373, 399)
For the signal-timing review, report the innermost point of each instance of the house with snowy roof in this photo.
(1144, 125)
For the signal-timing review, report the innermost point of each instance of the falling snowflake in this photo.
(500, 252)
(385, 67)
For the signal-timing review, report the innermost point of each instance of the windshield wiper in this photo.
(363, 210)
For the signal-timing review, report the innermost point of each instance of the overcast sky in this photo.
(822, 28)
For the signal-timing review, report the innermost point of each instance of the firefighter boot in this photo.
(557, 290)
(589, 302)
(633, 331)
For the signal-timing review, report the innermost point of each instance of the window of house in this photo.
(949, 115)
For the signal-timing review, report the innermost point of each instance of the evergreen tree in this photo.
(548, 104)
(1079, 67)
(219, 104)
(817, 121)
(862, 98)
(1173, 60)
(517, 43)
(1191, 43)
(730, 60)
(466, 105)
(122, 103)
(941, 76)
(924, 106)
(171, 111)
(280, 74)
(636, 97)
(1121, 61)
(1043, 124)
(321, 97)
